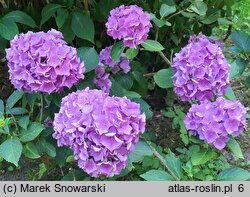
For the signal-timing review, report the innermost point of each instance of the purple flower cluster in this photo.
(214, 121)
(102, 80)
(200, 70)
(101, 130)
(43, 62)
(129, 23)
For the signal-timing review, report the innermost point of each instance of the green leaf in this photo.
(8, 29)
(131, 53)
(131, 94)
(32, 132)
(24, 122)
(199, 7)
(17, 111)
(48, 11)
(163, 78)
(174, 164)
(234, 70)
(234, 146)
(20, 17)
(200, 156)
(141, 150)
(11, 150)
(157, 175)
(42, 170)
(152, 45)
(223, 21)
(62, 15)
(14, 98)
(31, 151)
(166, 10)
(144, 107)
(212, 18)
(124, 80)
(1, 107)
(117, 51)
(83, 26)
(234, 174)
(242, 64)
(230, 94)
(241, 40)
(68, 34)
(46, 147)
(89, 56)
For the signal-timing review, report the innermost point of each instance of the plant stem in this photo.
(175, 14)
(164, 58)
(41, 110)
(13, 118)
(162, 160)
(149, 74)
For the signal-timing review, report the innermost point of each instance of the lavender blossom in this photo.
(43, 62)
(101, 130)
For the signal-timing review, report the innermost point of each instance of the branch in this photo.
(164, 58)
(162, 160)
(149, 74)
(42, 104)
(175, 14)
(13, 118)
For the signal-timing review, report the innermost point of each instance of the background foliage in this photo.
(25, 118)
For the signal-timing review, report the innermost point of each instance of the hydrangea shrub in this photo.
(200, 70)
(101, 130)
(43, 62)
(130, 24)
(215, 121)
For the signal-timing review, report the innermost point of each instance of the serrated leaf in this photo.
(199, 7)
(48, 11)
(31, 151)
(83, 26)
(62, 15)
(144, 107)
(32, 132)
(131, 53)
(24, 122)
(163, 78)
(230, 94)
(68, 34)
(1, 107)
(152, 45)
(17, 111)
(141, 150)
(117, 51)
(174, 164)
(8, 29)
(89, 56)
(241, 40)
(20, 17)
(200, 156)
(234, 174)
(14, 98)
(44, 146)
(234, 146)
(166, 10)
(157, 175)
(11, 150)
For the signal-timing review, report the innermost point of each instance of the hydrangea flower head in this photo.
(101, 130)
(43, 62)
(200, 70)
(215, 121)
(130, 24)
(102, 80)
